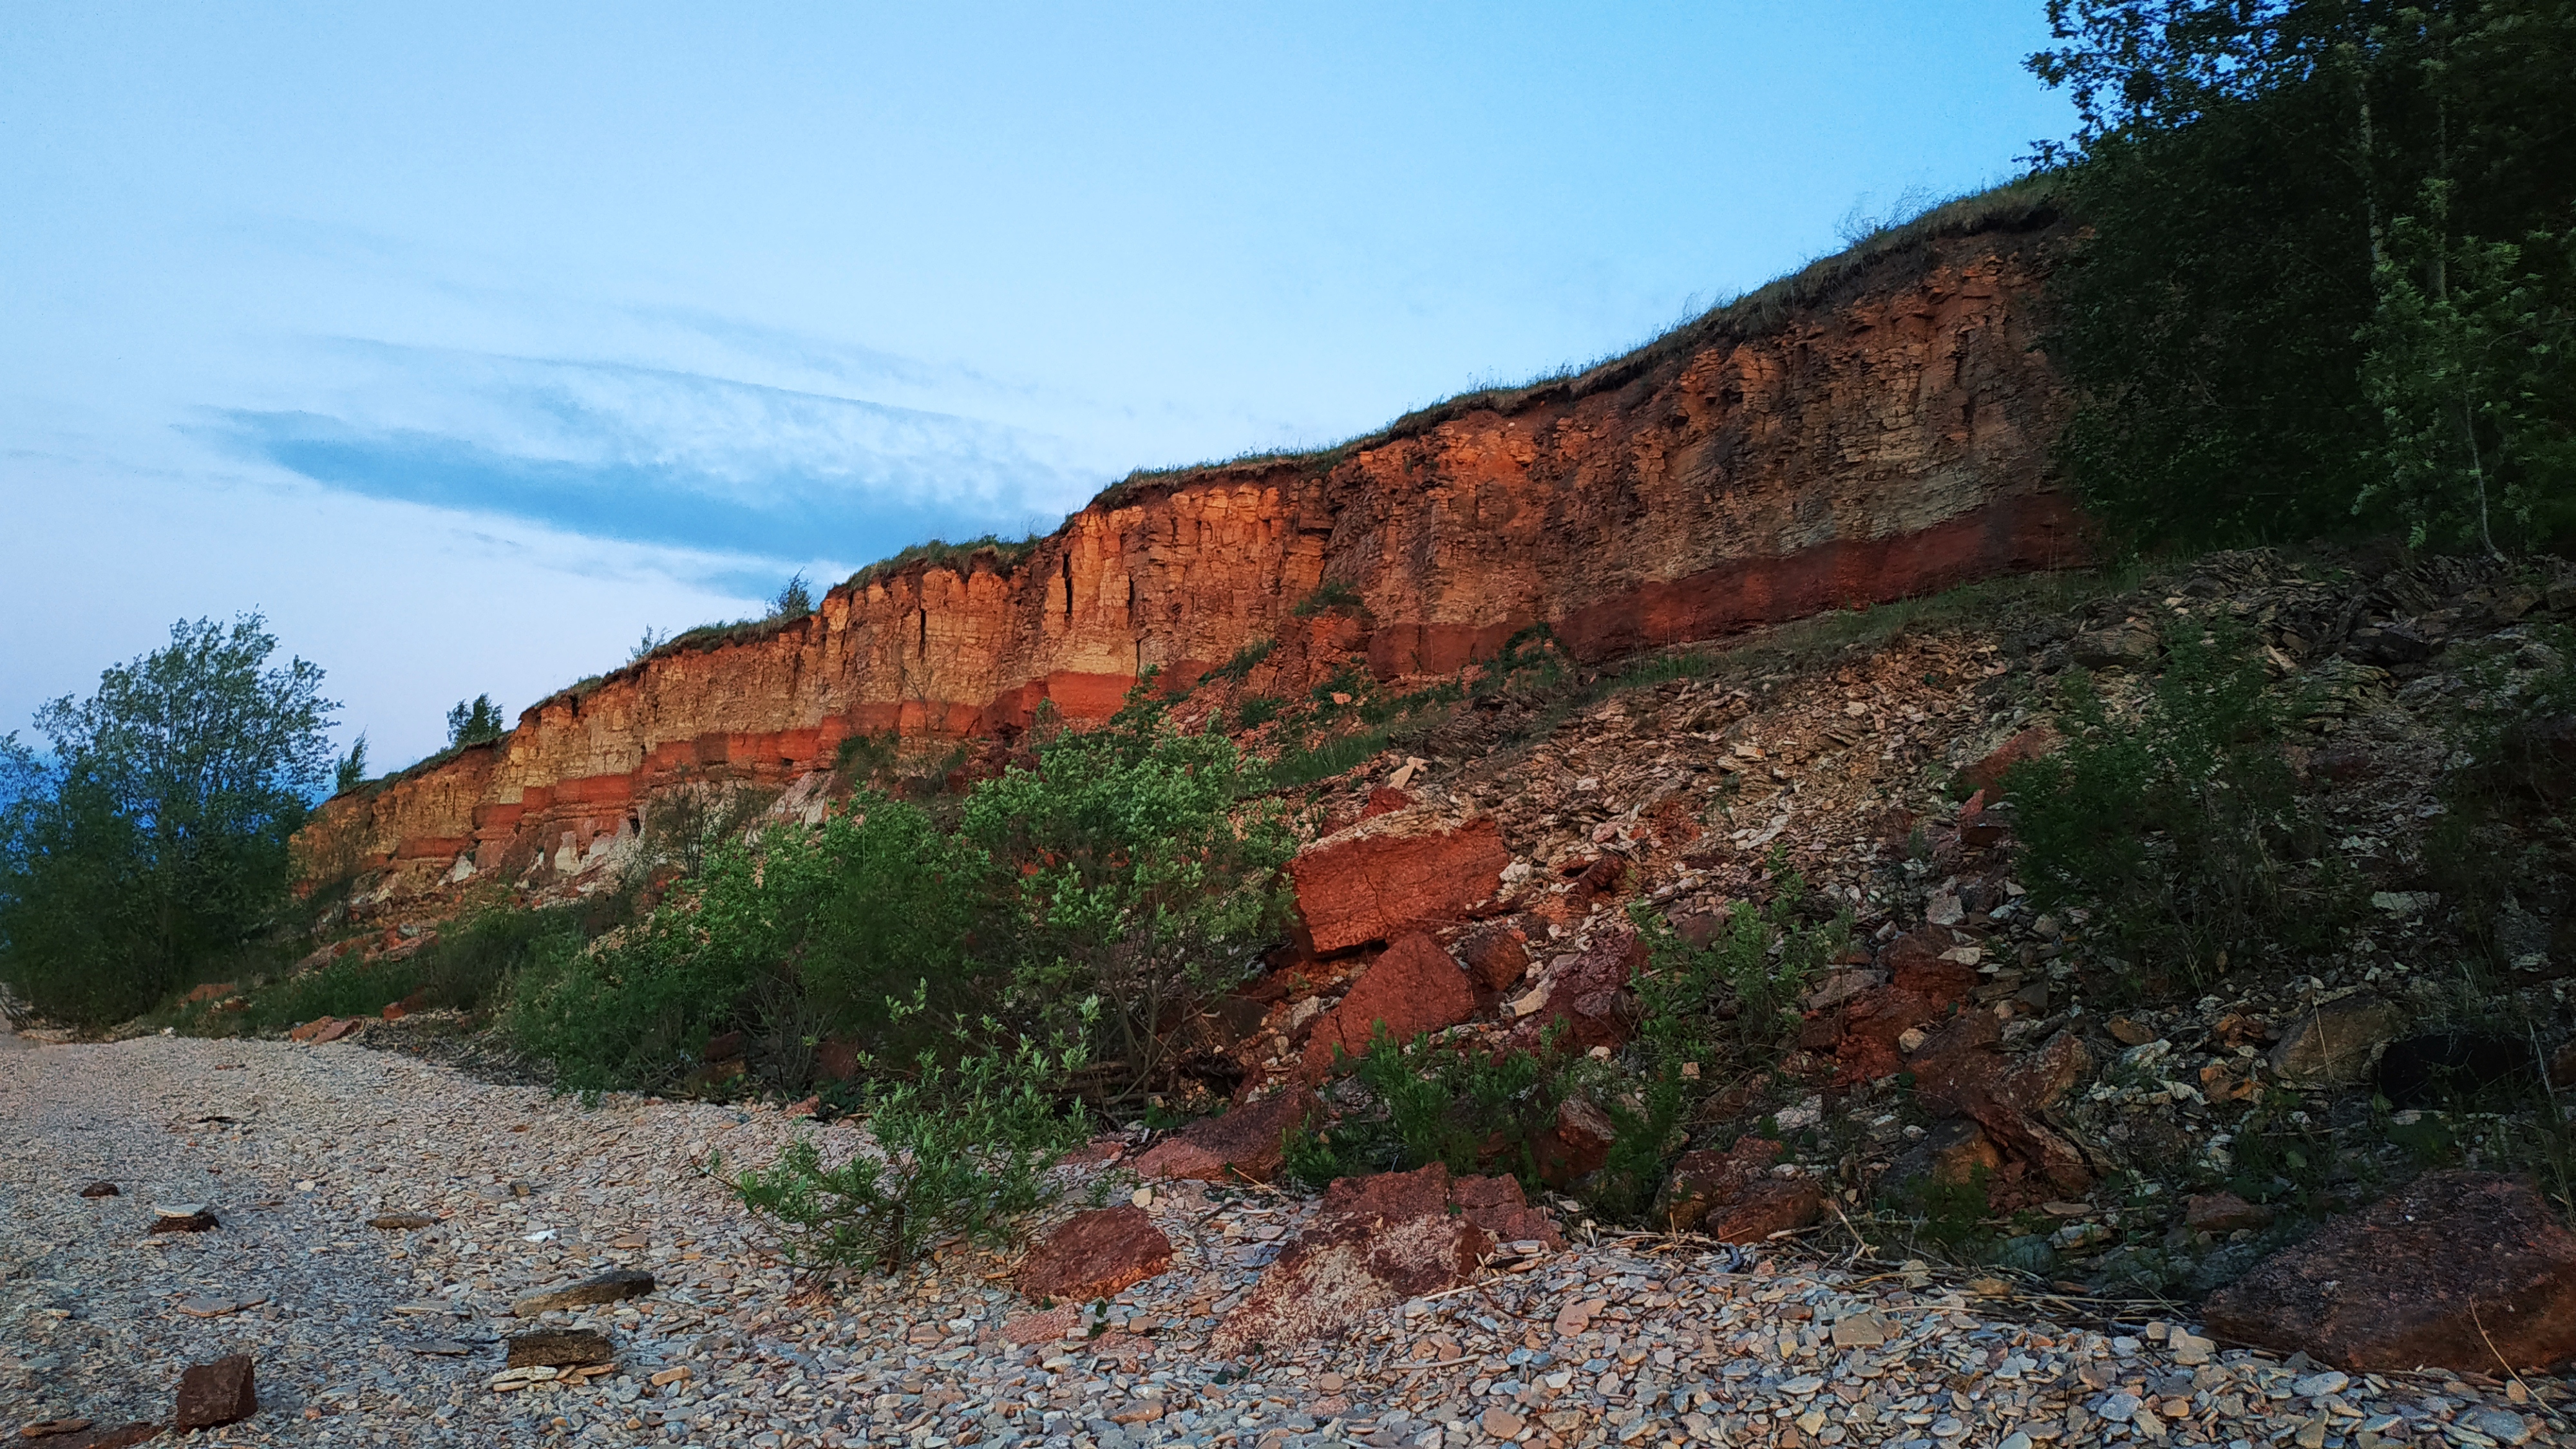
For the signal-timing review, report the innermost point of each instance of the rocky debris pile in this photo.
(1970, 1043)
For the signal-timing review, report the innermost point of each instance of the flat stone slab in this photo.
(559, 1348)
(606, 1288)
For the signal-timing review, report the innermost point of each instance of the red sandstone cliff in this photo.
(1884, 436)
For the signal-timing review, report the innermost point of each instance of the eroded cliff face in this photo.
(1886, 441)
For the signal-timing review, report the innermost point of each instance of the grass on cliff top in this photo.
(2027, 204)
(1006, 554)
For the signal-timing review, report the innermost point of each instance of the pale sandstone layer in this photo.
(1887, 440)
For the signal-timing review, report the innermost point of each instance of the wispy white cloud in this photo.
(656, 454)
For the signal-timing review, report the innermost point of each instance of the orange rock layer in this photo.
(1885, 441)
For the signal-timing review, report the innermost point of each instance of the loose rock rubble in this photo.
(361, 1336)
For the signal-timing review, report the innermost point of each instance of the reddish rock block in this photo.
(1773, 1205)
(1096, 1254)
(1871, 1022)
(1411, 989)
(1913, 963)
(1988, 774)
(2432, 1276)
(1958, 1072)
(1578, 1144)
(1706, 1180)
(1591, 998)
(216, 1393)
(1495, 957)
(2223, 1212)
(311, 1029)
(1393, 874)
(1246, 1141)
(1376, 1242)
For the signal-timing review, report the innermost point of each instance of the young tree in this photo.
(472, 724)
(794, 600)
(2326, 269)
(156, 833)
(351, 772)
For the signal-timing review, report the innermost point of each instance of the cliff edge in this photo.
(1874, 428)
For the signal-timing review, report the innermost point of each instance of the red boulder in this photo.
(1096, 1254)
(2456, 1271)
(1246, 1141)
(1413, 988)
(1393, 874)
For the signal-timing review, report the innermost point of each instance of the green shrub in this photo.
(1256, 711)
(2180, 822)
(957, 1150)
(1141, 876)
(1239, 668)
(464, 967)
(473, 723)
(1466, 1106)
(1703, 1010)
(1330, 594)
(1303, 764)
(837, 918)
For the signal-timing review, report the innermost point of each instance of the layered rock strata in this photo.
(1884, 440)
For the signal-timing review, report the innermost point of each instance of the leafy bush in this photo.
(1240, 666)
(462, 968)
(957, 1150)
(155, 838)
(1330, 594)
(1703, 1010)
(870, 904)
(351, 771)
(1468, 1107)
(2326, 275)
(2180, 821)
(1140, 876)
(686, 822)
(795, 600)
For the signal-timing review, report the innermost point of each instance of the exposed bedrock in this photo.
(1886, 440)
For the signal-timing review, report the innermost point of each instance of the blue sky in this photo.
(470, 341)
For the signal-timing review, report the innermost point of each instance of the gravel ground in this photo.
(364, 1336)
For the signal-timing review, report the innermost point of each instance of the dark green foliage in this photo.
(873, 904)
(1330, 594)
(2178, 820)
(1334, 754)
(155, 838)
(351, 771)
(2327, 282)
(957, 1150)
(794, 601)
(1136, 875)
(1468, 1107)
(1705, 1011)
(688, 822)
(472, 724)
(864, 758)
(645, 647)
(1239, 668)
(1529, 665)
(463, 968)
(1256, 711)
(1003, 554)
